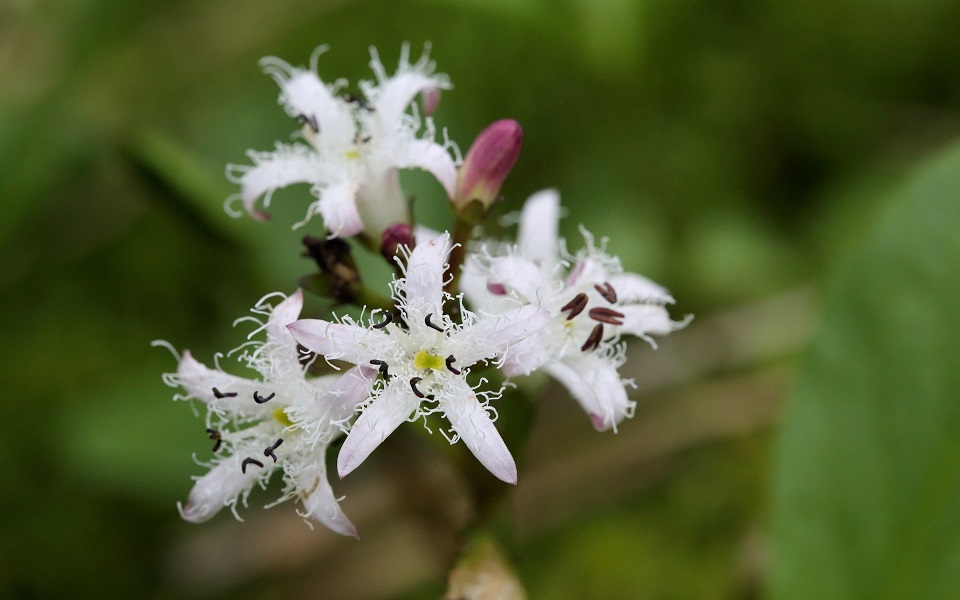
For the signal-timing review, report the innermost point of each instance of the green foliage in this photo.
(869, 464)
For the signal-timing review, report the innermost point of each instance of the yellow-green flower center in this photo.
(280, 416)
(424, 360)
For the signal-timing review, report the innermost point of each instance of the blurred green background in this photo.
(789, 169)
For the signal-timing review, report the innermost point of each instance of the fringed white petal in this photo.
(220, 487)
(422, 287)
(470, 420)
(396, 93)
(496, 333)
(431, 157)
(520, 275)
(351, 343)
(643, 320)
(597, 386)
(199, 381)
(526, 356)
(303, 93)
(287, 165)
(280, 344)
(537, 235)
(341, 398)
(320, 502)
(631, 287)
(392, 407)
(338, 207)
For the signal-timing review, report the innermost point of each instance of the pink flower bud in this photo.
(488, 162)
(399, 234)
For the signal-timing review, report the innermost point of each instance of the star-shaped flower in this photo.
(355, 144)
(281, 421)
(592, 304)
(424, 362)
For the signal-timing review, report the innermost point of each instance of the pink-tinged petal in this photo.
(587, 271)
(199, 381)
(392, 407)
(631, 287)
(495, 334)
(596, 385)
(422, 286)
(643, 320)
(526, 356)
(274, 170)
(351, 343)
(281, 345)
(431, 157)
(340, 399)
(303, 93)
(471, 421)
(521, 275)
(321, 503)
(431, 99)
(338, 207)
(218, 488)
(539, 222)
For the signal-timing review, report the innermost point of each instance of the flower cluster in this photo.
(456, 304)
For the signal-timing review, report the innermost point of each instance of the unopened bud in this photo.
(488, 162)
(430, 98)
(395, 236)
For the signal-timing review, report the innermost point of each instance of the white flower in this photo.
(424, 362)
(592, 303)
(355, 145)
(281, 421)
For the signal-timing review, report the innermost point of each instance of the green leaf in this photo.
(867, 495)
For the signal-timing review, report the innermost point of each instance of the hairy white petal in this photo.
(495, 334)
(287, 165)
(642, 320)
(631, 287)
(431, 157)
(338, 207)
(336, 340)
(537, 232)
(472, 423)
(321, 503)
(597, 386)
(422, 288)
(199, 380)
(220, 487)
(526, 356)
(392, 407)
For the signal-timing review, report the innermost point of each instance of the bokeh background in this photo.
(789, 169)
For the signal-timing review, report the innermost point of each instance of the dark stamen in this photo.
(450, 367)
(218, 394)
(311, 121)
(260, 399)
(359, 101)
(249, 461)
(593, 341)
(384, 367)
(606, 315)
(269, 449)
(387, 318)
(413, 386)
(215, 435)
(575, 306)
(606, 290)
(426, 320)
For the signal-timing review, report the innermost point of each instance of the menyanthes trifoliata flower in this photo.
(591, 300)
(284, 420)
(354, 144)
(423, 359)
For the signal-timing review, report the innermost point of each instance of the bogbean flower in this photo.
(592, 303)
(423, 362)
(355, 144)
(282, 421)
